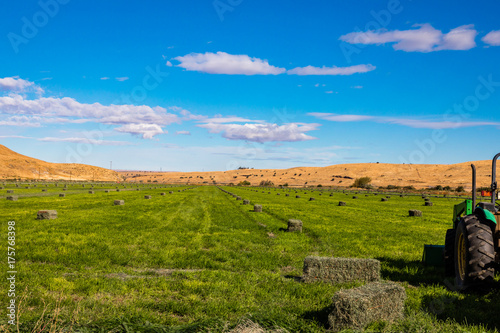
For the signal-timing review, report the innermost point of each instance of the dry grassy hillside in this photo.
(14, 165)
(419, 176)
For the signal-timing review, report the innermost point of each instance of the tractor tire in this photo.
(449, 253)
(474, 253)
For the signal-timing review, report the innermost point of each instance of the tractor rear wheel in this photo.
(474, 253)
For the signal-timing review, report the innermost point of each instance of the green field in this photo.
(198, 260)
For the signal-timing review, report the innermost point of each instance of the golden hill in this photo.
(14, 165)
(342, 175)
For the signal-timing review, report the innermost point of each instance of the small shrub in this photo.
(361, 182)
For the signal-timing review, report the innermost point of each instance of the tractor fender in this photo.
(485, 214)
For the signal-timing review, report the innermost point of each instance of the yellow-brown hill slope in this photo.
(14, 165)
(343, 175)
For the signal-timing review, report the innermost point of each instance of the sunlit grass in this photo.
(200, 260)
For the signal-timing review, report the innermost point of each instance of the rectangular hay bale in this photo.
(46, 215)
(355, 308)
(340, 270)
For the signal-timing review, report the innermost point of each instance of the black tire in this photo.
(474, 253)
(449, 253)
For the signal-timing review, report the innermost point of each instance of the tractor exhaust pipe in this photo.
(494, 179)
(473, 186)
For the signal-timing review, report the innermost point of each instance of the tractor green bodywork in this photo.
(465, 208)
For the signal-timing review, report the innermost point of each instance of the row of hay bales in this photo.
(62, 195)
(411, 212)
(294, 225)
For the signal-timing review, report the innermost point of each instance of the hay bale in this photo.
(91, 192)
(64, 189)
(294, 225)
(355, 308)
(10, 191)
(119, 202)
(388, 197)
(62, 195)
(147, 197)
(162, 193)
(427, 199)
(312, 199)
(354, 197)
(44, 190)
(246, 202)
(106, 191)
(238, 198)
(257, 208)
(46, 215)
(287, 195)
(170, 192)
(137, 189)
(384, 199)
(414, 212)
(117, 190)
(428, 203)
(12, 197)
(297, 196)
(342, 203)
(340, 270)
(331, 194)
(278, 193)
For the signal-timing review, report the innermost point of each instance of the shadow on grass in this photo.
(473, 307)
(319, 316)
(412, 271)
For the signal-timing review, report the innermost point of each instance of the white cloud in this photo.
(147, 131)
(311, 70)
(85, 140)
(69, 107)
(461, 38)
(230, 119)
(357, 87)
(424, 38)
(263, 132)
(182, 133)
(492, 38)
(224, 63)
(16, 84)
(104, 78)
(137, 119)
(121, 79)
(23, 121)
(414, 123)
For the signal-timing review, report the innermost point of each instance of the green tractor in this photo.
(471, 251)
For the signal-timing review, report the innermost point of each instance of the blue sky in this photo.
(214, 85)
